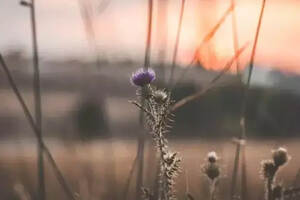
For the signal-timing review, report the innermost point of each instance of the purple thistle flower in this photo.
(143, 77)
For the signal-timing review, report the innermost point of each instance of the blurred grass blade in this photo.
(88, 18)
(141, 136)
(128, 181)
(36, 130)
(243, 115)
(235, 34)
(211, 84)
(177, 43)
(189, 196)
(206, 38)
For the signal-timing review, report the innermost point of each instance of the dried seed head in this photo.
(160, 96)
(268, 169)
(212, 157)
(280, 156)
(143, 77)
(211, 170)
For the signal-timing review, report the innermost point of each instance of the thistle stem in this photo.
(213, 190)
(269, 191)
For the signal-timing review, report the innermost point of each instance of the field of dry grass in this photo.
(99, 170)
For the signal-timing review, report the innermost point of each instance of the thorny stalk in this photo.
(157, 108)
(36, 130)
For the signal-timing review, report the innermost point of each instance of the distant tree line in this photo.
(270, 112)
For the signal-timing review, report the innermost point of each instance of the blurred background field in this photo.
(100, 169)
(82, 102)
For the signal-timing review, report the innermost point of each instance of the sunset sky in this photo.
(121, 26)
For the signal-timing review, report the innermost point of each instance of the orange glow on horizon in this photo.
(121, 31)
(278, 43)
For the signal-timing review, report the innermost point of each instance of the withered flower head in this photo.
(280, 156)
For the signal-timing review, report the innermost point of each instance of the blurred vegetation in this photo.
(270, 112)
(91, 122)
(273, 108)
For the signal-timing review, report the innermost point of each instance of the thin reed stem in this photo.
(162, 34)
(149, 35)
(189, 197)
(36, 130)
(37, 103)
(128, 181)
(141, 139)
(88, 16)
(211, 84)
(244, 174)
(251, 64)
(140, 159)
(243, 109)
(235, 34)
(256, 41)
(206, 38)
(235, 170)
(179, 28)
(187, 186)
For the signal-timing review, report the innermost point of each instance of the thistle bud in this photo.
(212, 157)
(211, 170)
(160, 96)
(280, 156)
(268, 169)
